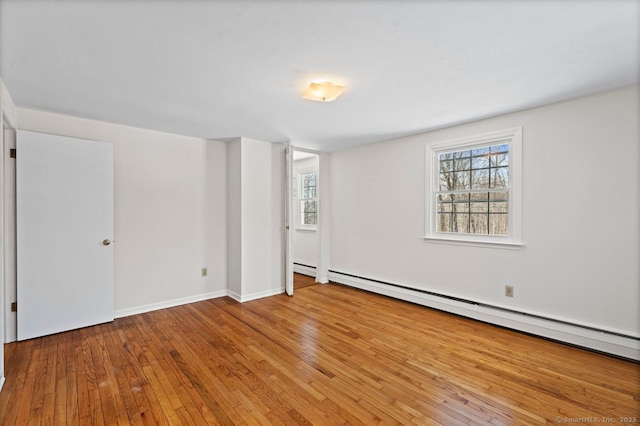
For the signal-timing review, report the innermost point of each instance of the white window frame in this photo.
(299, 224)
(513, 239)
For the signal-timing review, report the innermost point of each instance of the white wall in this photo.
(215, 215)
(170, 211)
(255, 218)
(277, 225)
(324, 217)
(305, 242)
(234, 218)
(581, 203)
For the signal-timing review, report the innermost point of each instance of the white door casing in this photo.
(288, 209)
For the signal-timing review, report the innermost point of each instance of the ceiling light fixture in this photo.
(323, 92)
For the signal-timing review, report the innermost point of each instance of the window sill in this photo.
(299, 228)
(505, 245)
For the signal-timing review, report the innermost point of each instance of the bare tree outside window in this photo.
(308, 200)
(473, 191)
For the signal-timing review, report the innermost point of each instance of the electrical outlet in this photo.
(204, 272)
(508, 290)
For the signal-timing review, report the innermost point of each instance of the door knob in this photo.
(106, 242)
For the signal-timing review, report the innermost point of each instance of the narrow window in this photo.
(308, 200)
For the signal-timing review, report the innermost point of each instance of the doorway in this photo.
(307, 202)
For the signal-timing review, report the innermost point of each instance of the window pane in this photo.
(479, 196)
(446, 165)
(498, 224)
(501, 207)
(461, 223)
(499, 202)
(309, 206)
(479, 207)
(474, 213)
(480, 162)
(308, 212)
(444, 222)
(461, 203)
(309, 185)
(499, 196)
(309, 219)
(446, 156)
(480, 179)
(479, 224)
(461, 180)
(500, 177)
(309, 179)
(462, 160)
(445, 207)
(446, 181)
(500, 148)
(309, 192)
(461, 207)
(498, 160)
(480, 151)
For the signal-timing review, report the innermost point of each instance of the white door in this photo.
(64, 203)
(288, 269)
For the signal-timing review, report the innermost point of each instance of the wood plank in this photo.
(52, 370)
(301, 281)
(33, 386)
(22, 354)
(329, 355)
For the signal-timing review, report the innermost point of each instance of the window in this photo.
(473, 189)
(308, 200)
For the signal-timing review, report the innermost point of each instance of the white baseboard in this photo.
(259, 295)
(235, 296)
(120, 313)
(304, 270)
(168, 304)
(322, 279)
(529, 323)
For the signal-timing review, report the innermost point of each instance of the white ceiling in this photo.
(218, 69)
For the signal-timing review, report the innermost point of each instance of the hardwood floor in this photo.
(302, 281)
(330, 355)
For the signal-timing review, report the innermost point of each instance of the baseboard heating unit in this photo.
(304, 269)
(585, 336)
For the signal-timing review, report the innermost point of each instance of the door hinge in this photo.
(12, 153)
(14, 307)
